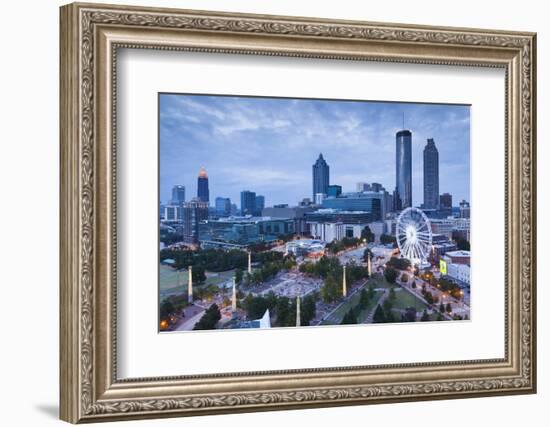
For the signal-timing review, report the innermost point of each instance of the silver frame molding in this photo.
(90, 37)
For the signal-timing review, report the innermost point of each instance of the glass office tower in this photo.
(403, 167)
(431, 175)
(321, 174)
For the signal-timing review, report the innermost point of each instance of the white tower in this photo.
(344, 284)
(190, 285)
(369, 265)
(234, 297)
(249, 262)
(298, 310)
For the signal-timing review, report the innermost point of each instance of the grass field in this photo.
(337, 316)
(170, 283)
(379, 282)
(404, 299)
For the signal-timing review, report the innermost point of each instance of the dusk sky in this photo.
(268, 145)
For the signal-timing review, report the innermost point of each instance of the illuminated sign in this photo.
(442, 266)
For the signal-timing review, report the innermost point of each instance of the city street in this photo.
(193, 314)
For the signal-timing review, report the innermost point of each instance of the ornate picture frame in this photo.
(90, 37)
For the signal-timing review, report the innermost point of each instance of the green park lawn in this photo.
(404, 299)
(337, 316)
(379, 282)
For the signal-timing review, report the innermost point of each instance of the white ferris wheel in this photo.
(414, 235)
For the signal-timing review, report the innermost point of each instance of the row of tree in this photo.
(209, 259)
(399, 263)
(283, 309)
(267, 271)
(321, 268)
(339, 245)
(365, 297)
(209, 319)
(428, 296)
(452, 288)
(172, 305)
(332, 289)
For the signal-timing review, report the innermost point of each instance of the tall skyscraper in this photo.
(178, 194)
(396, 201)
(446, 202)
(321, 177)
(431, 175)
(259, 204)
(194, 212)
(223, 206)
(403, 167)
(248, 202)
(203, 194)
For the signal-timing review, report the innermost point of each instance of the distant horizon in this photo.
(268, 145)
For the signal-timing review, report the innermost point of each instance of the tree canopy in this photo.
(349, 318)
(390, 274)
(210, 318)
(398, 263)
(367, 234)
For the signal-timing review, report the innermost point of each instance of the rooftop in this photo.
(458, 253)
(247, 219)
(202, 173)
(336, 211)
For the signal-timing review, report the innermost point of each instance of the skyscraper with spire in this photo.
(431, 175)
(403, 168)
(203, 194)
(321, 177)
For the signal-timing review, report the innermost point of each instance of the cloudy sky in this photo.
(268, 145)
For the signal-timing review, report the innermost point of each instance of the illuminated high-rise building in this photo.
(203, 194)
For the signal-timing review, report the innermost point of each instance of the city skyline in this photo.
(236, 140)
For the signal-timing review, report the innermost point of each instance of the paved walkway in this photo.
(354, 289)
(193, 314)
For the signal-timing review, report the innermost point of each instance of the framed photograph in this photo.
(265, 212)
